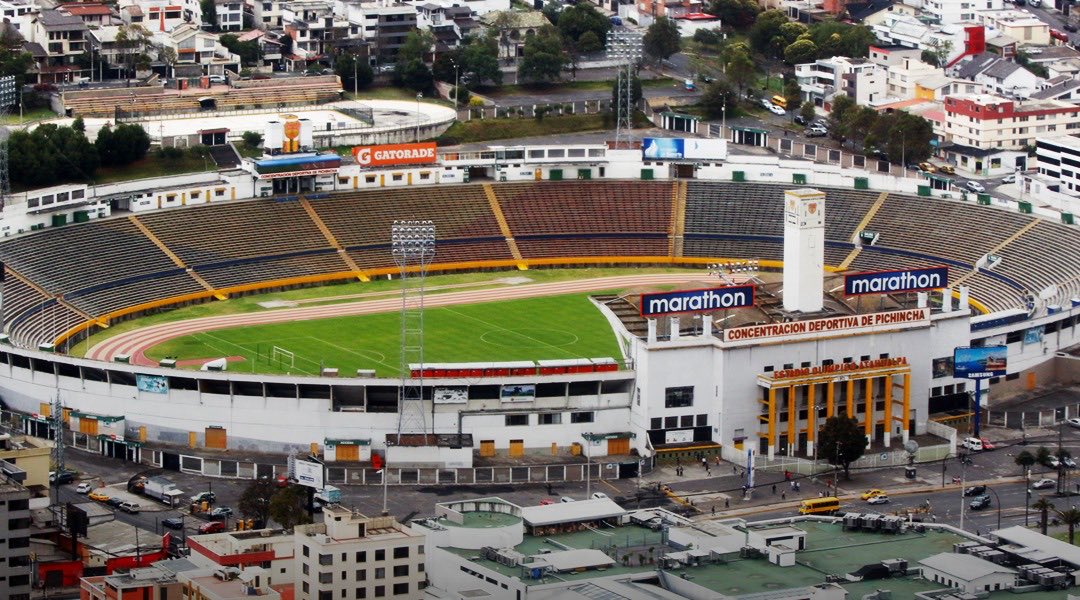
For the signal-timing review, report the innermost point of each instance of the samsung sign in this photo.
(884, 282)
(705, 300)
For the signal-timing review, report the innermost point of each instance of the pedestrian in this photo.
(704, 462)
(798, 486)
(727, 503)
(735, 471)
(714, 510)
(774, 488)
(717, 457)
(933, 518)
(792, 484)
(783, 495)
(821, 494)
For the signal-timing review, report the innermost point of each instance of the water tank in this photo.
(307, 129)
(273, 137)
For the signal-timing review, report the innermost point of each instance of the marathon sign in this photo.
(884, 282)
(394, 154)
(842, 368)
(703, 300)
(848, 325)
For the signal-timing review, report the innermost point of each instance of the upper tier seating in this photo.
(574, 207)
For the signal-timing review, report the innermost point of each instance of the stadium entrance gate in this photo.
(129, 451)
(170, 461)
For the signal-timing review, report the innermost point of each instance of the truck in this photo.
(160, 488)
(327, 495)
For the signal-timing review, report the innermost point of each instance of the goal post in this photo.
(282, 357)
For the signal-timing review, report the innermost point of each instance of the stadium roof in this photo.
(593, 509)
(1032, 539)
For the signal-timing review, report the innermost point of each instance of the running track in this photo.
(135, 343)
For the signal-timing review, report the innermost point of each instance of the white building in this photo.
(956, 11)
(351, 555)
(858, 78)
(986, 121)
(1058, 158)
(161, 15)
(230, 14)
(903, 78)
(968, 573)
(998, 76)
(18, 13)
(1020, 25)
(267, 13)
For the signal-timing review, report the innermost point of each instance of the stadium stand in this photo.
(106, 297)
(266, 268)
(580, 207)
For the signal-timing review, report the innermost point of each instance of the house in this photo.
(1002, 45)
(937, 87)
(958, 11)
(968, 573)
(862, 80)
(161, 15)
(888, 56)
(988, 121)
(93, 14)
(902, 79)
(62, 37)
(1051, 54)
(313, 27)
(1022, 26)
(512, 27)
(987, 162)
(269, 47)
(1063, 68)
(998, 76)
(193, 46)
(230, 14)
(1062, 87)
(874, 12)
(449, 24)
(267, 13)
(18, 13)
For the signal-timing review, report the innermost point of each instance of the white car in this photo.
(599, 496)
(1073, 422)
(1009, 178)
(973, 443)
(879, 499)
(776, 110)
(975, 186)
(766, 103)
(83, 488)
(566, 499)
(1053, 462)
(1043, 484)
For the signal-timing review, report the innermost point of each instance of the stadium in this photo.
(536, 338)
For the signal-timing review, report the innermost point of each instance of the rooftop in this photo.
(963, 566)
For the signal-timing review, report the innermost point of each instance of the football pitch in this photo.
(551, 327)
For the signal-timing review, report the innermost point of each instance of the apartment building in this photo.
(161, 15)
(176, 579)
(313, 27)
(902, 80)
(15, 566)
(986, 121)
(267, 13)
(998, 76)
(61, 39)
(350, 555)
(383, 25)
(271, 549)
(1058, 159)
(862, 80)
(18, 13)
(956, 11)
(1021, 26)
(230, 14)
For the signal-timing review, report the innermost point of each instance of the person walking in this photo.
(774, 488)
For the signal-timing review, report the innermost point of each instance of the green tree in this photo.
(765, 29)
(1071, 518)
(903, 136)
(841, 105)
(49, 155)
(719, 96)
(736, 14)
(792, 31)
(543, 56)
(79, 125)
(252, 139)
(792, 93)
(662, 39)
(480, 60)
(858, 123)
(355, 74)
(1042, 455)
(578, 19)
(1024, 460)
(807, 111)
(800, 52)
(417, 46)
(415, 75)
(834, 38)
(14, 61)
(738, 66)
(247, 51)
(287, 506)
(254, 501)
(1044, 506)
(122, 145)
(209, 13)
(842, 442)
(709, 37)
(132, 41)
(937, 51)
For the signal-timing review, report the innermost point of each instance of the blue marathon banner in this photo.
(908, 280)
(703, 300)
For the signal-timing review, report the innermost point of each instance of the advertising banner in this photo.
(678, 436)
(154, 384)
(676, 148)
(309, 474)
(703, 300)
(884, 282)
(897, 319)
(450, 395)
(662, 148)
(980, 363)
(1034, 335)
(525, 392)
(394, 154)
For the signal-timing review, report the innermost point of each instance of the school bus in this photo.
(815, 506)
(780, 101)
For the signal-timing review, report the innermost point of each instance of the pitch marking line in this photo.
(497, 328)
(360, 354)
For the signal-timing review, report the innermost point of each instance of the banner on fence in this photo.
(1034, 335)
(155, 384)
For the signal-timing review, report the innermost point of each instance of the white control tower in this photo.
(804, 249)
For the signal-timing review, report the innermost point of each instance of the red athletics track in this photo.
(135, 343)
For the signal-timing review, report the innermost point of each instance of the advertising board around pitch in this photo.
(980, 363)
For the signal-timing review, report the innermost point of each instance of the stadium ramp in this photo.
(869, 216)
(59, 299)
(349, 262)
(504, 227)
(677, 229)
(173, 257)
(996, 249)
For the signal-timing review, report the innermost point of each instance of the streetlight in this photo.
(457, 82)
(1027, 495)
(419, 95)
(998, 501)
(723, 120)
(588, 465)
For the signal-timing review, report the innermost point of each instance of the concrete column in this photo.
(946, 300)
(907, 405)
(888, 409)
(772, 423)
(811, 419)
(851, 398)
(674, 328)
(830, 390)
(868, 420)
(652, 330)
(792, 418)
(964, 305)
(706, 326)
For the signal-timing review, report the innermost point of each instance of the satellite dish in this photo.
(911, 447)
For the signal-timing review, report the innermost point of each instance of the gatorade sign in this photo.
(394, 154)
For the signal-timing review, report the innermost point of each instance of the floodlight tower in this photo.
(412, 243)
(624, 46)
(8, 97)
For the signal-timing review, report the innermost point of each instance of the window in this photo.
(361, 556)
(670, 422)
(380, 573)
(307, 551)
(581, 417)
(402, 589)
(401, 552)
(656, 423)
(361, 574)
(361, 592)
(380, 555)
(678, 397)
(551, 419)
(517, 420)
(380, 591)
(401, 571)
(305, 569)
(326, 559)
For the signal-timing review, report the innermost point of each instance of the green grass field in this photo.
(554, 327)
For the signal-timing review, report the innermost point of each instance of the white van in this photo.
(973, 443)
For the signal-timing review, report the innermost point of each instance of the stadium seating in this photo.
(272, 267)
(105, 298)
(575, 207)
(42, 323)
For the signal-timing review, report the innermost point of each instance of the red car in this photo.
(212, 527)
(1059, 35)
(986, 444)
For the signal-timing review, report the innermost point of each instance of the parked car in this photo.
(817, 132)
(987, 444)
(566, 499)
(972, 443)
(1059, 35)
(776, 110)
(1010, 178)
(599, 496)
(62, 477)
(799, 120)
(212, 527)
(203, 497)
(221, 512)
(879, 499)
(114, 502)
(975, 186)
(1044, 483)
(1069, 462)
(947, 169)
(98, 496)
(929, 168)
(129, 507)
(975, 490)
(868, 494)
(1035, 3)
(1052, 462)
(1073, 422)
(83, 488)
(980, 503)
(219, 79)
(1071, 26)
(173, 522)
(765, 102)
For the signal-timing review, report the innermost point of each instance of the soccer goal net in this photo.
(282, 357)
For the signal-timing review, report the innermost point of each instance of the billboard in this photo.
(1034, 335)
(450, 395)
(980, 363)
(703, 300)
(524, 392)
(309, 474)
(154, 384)
(908, 280)
(694, 148)
(394, 154)
(850, 324)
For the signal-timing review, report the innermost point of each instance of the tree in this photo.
(738, 65)
(480, 61)
(417, 46)
(792, 93)
(709, 37)
(254, 501)
(252, 139)
(415, 75)
(49, 155)
(578, 19)
(123, 145)
(841, 105)
(718, 97)
(1044, 506)
(765, 29)
(287, 506)
(842, 442)
(79, 125)
(800, 52)
(1024, 460)
(247, 51)
(937, 51)
(1042, 455)
(209, 13)
(168, 56)
(807, 111)
(355, 74)
(132, 41)
(543, 56)
(14, 61)
(662, 39)
(1070, 518)
(737, 14)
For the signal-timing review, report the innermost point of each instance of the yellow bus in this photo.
(815, 506)
(780, 101)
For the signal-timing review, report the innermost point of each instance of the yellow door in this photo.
(45, 409)
(348, 452)
(215, 437)
(538, 174)
(618, 447)
(88, 426)
(517, 448)
(487, 448)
